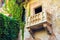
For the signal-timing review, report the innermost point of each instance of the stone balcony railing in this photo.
(38, 18)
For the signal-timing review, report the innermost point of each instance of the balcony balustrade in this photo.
(39, 19)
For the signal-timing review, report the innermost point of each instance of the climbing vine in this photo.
(9, 28)
(14, 8)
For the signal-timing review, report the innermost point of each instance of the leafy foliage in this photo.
(14, 7)
(9, 28)
(15, 10)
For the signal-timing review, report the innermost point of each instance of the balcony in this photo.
(38, 19)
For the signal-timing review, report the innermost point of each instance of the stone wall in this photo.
(53, 7)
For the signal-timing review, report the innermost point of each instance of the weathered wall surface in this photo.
(53, 7)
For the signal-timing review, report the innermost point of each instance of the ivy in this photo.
(15, 9)
(9, 28)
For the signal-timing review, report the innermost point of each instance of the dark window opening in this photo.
(38, 9)
(23, 14)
